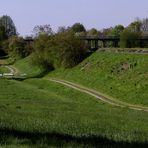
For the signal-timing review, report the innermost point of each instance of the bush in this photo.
(42, 55)
(70, 50)
(16, 47)
(59, 50)
(128, 39)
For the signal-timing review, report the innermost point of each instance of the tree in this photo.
(93, 32)
(116, 31)
(42, 55)
(144, 26)
(16, 47)
(42, 29)
(78, 27)
(60, 50)
(135, 26)
(8, 24)
(69, 50)
(106, 31)
(128, 39)
(3, 35)
(62, 29)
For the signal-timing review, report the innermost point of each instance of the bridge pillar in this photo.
(116, 44)
(96, 44)
(89, 44)
(104, 43)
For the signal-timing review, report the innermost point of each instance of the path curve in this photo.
(12, 70)
(99, 95)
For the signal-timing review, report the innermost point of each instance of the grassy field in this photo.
(38, 113)
(122, 76)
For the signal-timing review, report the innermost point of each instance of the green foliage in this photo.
(60, 50)
(78, 27)
(3, 35)
(5, 46)
(62, 29)
(42, 29)
(128, 39)
(116, 31)
(42, 55)
(8, 24)
(93, 32)
(17, 47)
(135, 26)
(69, 50)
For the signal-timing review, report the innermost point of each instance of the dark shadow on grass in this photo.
(59, 140)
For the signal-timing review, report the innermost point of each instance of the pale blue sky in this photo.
(91, 13)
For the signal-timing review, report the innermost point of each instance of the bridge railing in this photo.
(109, 38)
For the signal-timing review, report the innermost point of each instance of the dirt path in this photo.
(91, 92)
(12, 70)
(98, 95)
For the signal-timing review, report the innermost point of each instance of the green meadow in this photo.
(122, 76)
(36, 112)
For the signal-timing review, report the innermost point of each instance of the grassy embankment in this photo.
(3, 70)
(25, 66)
(37, 112)
(122, 76)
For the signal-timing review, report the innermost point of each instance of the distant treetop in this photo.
(78, 27)
(9, 26)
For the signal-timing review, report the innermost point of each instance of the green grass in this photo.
(39, 112)
(4, 69)
(122, 76)
(25, 66)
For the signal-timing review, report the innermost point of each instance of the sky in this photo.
(98, 14)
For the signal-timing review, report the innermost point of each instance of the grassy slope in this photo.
(122, 76)
(25, 66)
(4, 69)
(37, 109)
(51, 111)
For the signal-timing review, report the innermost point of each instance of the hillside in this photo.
(25, 66)
(46, 113)
(123, 76)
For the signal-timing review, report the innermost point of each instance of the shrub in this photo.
(128, 39)
(16, 47)
(70, 50)
(59, 50)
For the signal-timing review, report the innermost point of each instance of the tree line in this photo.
(64, 47)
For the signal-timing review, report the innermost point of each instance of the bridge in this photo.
(95, 41)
